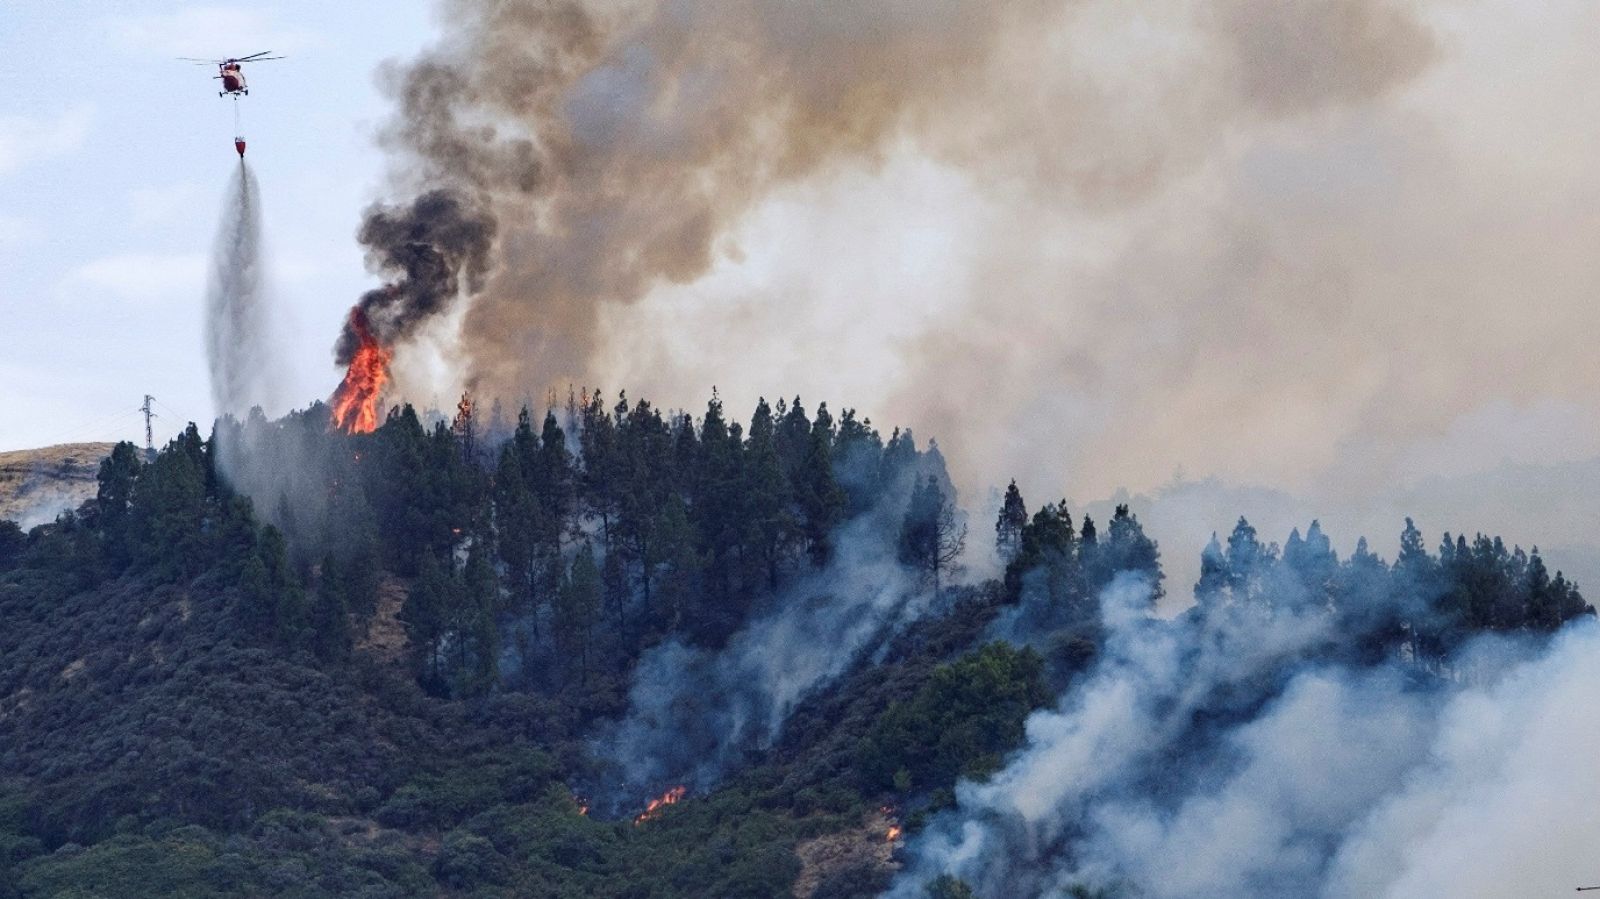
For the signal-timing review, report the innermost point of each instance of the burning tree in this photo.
(355, 402)
(429, 250)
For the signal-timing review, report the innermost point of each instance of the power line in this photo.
(94, 429)
(182, 416)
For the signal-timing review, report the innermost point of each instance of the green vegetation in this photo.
(959, 723)
(195, 704)
(378, 678)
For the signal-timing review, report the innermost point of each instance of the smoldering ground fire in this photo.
(653, 808)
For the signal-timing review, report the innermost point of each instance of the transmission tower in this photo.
(149, 435)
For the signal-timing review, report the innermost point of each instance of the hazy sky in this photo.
(1335, 248)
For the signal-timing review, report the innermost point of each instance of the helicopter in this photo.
(231, 71)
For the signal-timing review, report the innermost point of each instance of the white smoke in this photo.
(694, 712)
(1200, 759)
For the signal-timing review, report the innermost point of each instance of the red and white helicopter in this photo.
(231, 71)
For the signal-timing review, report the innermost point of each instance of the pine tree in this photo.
(577, 611)
(1126, 548)
(1211, 589)
(857, 454)
(1363, 600)
(1008, 526)
(598, 437)
(676, 539)
(1313, 563)
(1048, 559)
(425, 615)
(553, 476)
(168, 508)
(328, 615)
(397, 485)
(475, 627)
(716, 510)
(1543, 612)
(1249, 562)
(931, 540)
(118, 474)
(766, 492)
(288, 612)
(791, 438)
(820, 499)
(518, 522)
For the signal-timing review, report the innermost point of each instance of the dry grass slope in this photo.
(36, 484)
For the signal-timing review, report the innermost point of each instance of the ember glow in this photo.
(893, 834)
(670, 797)
(355, 403)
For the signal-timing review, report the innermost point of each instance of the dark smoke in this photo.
(430, 249)
(238, 324)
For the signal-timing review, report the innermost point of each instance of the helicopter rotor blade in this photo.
(253, 56)
(206, 62)
(266, 58)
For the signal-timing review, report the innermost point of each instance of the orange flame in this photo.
(893, 834)
(355, 403)
(670, 797)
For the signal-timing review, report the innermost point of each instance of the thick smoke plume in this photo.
(431, 249)
(1225, 753)
(616, 143)
(239, 333)
(1085, 242)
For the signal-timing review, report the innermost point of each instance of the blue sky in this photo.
(113, 159)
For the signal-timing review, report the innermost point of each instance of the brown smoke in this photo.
(614, 143)
(1332, 245)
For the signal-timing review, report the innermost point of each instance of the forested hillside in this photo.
(463, 659)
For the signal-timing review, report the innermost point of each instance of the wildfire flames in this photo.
(670, 797)
(894, 831)
(355, 403)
